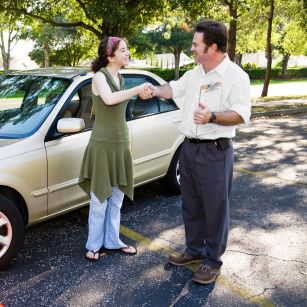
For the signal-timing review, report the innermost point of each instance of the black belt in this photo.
(221, 143)
(197, 141)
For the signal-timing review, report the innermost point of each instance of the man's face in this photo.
(202, 53)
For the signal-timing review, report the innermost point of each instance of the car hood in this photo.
(5, 142)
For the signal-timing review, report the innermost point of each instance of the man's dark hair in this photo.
(213, 33)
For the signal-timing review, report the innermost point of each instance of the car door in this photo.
(154, 132)
(65, 153)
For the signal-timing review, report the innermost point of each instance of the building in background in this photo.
(260, 60)
(165, 60)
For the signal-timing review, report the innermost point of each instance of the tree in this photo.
(174, 36)
(229, 11)
(42, 35)
(140, 43)
(251, 34)
(170, 33)
(291, 31)
(101, 17)
(61, 46)
(10, 31)
(270, 17)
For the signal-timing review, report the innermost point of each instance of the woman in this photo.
(106, 171)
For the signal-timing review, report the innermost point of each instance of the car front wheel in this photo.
(171, 182)
(11, 231)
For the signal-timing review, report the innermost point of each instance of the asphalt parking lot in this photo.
(264, 264)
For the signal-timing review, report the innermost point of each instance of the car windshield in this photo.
(26, 101)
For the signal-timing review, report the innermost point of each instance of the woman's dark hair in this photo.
(102, 59)
(213, 33)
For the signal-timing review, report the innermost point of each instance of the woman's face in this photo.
(121, 54)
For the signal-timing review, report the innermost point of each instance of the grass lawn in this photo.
(275, 81)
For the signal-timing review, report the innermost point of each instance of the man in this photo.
(217, 98)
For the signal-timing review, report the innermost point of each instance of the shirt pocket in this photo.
(212, 98)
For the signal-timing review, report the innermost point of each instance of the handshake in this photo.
(147, 91)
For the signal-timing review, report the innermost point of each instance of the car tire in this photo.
(12, 230)
(171, 182)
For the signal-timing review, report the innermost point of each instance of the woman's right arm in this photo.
(101, 88)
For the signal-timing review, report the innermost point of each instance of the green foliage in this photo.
(178, 40)
(259, 73)
(249, 65)
(174, 36)
(278, 64)
(157, 26)
(188, 66)
(293, 39)
(140, 44)
(254, 74)
(165, 74)
(11, 29)
(65, 46)
(101, 17)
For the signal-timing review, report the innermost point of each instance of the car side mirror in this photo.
(70, 125)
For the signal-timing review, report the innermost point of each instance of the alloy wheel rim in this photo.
(6, 234)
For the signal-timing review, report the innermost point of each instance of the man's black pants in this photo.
(206, 178)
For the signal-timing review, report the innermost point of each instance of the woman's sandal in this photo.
(92, 256)
(128, 250)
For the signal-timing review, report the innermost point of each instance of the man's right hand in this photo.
(148, 91)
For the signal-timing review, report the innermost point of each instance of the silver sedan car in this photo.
(46, 117)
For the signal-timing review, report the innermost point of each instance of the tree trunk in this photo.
(238, 59)
(8, 52)
(5, 54)
(232, 32)
(68, 56)
(46, 54)
(177, 60)
(285, 61)
(268, 51)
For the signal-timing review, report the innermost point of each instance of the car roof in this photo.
(72, 72)
(60, 72)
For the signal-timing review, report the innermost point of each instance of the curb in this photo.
(280, 112)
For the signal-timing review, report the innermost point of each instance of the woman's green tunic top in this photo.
(107, 160)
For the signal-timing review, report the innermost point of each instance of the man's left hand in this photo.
(202, 114)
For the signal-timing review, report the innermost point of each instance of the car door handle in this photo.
(176, 119)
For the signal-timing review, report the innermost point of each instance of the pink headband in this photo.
(111, 42)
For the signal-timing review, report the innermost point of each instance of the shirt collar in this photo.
(221, 68)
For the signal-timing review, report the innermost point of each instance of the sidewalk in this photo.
(281, 89)
(281, 107)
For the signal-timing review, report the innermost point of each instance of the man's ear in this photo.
(214, 47)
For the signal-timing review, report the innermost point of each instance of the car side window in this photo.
(137, 107)
(167, 105)
(81, 106)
